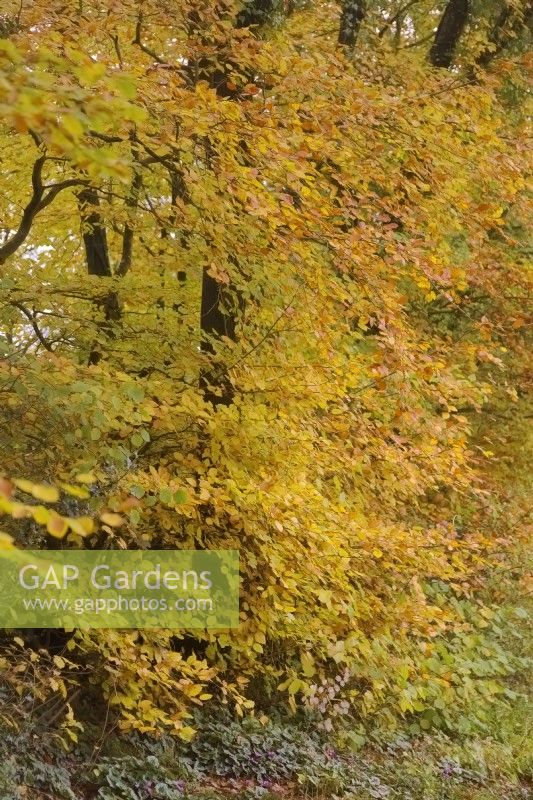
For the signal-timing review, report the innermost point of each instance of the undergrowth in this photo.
(280, 759)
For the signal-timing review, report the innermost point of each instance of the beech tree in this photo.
(262, 281)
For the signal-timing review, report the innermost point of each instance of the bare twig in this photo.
(33, 321)
(396, 17)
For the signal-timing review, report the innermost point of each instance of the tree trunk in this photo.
(214, 321)
(255, 12)
(94, 233)
(97, 257)
(448, 33)
(352, 15)
(508, 24)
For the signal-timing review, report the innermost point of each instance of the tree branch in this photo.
(31, 317)
(396, 17)
(42, 196)
(138, 41)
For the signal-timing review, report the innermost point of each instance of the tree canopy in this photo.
(263, 286)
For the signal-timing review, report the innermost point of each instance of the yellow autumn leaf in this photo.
(85, 477)
(186, 733)
(57, 526)
(83, 526)
(24, 485)
(49, 494)
(6, 541)
(308, 664)
(113, 520)
(40, 514)
(76, 491)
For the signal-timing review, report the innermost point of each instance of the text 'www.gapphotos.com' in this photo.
(101, 605)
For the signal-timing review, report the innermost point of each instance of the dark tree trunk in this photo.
(132, 201)
(448, 33)
(94, 233)
(508, 24)
(216, 321)
(352, 15)
(255, 12)
(98, 263)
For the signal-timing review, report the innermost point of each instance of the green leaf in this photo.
(125, 86)
(137, 440)
(134, 392)
(72, 125)
(166, 496)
